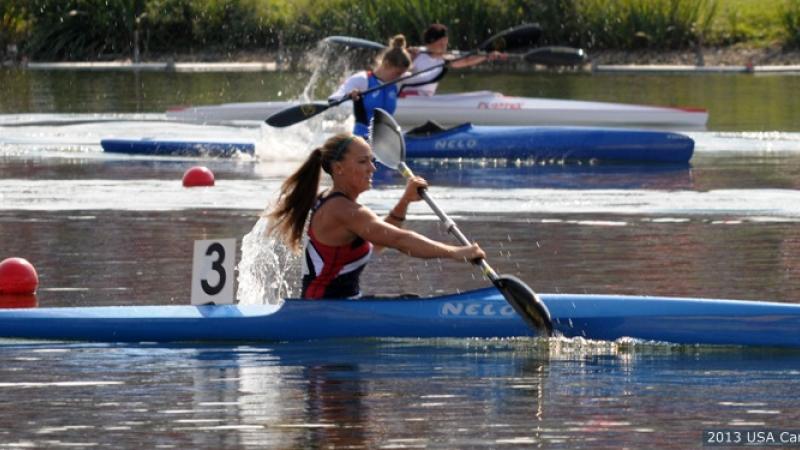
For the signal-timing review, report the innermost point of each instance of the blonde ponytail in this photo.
(299, 192)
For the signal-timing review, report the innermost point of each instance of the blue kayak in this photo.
(547, 143)
(153, 147)
(468, 141)
(480, 313)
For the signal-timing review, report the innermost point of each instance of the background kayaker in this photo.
(436, 42)
(394, 63)
(342, 234)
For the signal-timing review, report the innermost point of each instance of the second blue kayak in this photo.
(472, 142)
(547, 143)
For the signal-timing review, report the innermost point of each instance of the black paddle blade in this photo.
(513, 38)
(556, 56)
(295, 114)
(526, 303)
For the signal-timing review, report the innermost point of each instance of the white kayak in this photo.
(480, 108)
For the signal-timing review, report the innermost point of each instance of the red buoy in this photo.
(18, 276)
(8, 301)
(198, 176)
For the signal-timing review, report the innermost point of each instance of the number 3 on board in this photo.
(212, 271)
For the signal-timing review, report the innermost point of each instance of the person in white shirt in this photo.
(435, 54)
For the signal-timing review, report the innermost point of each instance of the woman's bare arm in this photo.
(361, 221)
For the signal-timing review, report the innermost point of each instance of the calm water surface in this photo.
(390, 394)
(119, 231)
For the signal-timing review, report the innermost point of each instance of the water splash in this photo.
(295, 142)
(268, 270)
(318, 58)
(331, 67)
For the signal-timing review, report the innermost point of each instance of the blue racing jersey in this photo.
(363, 108)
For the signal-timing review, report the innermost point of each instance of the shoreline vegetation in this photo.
(635, 32)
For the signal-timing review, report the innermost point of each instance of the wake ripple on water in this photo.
(59, 134)
(746, 141)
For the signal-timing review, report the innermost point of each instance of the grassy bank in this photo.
(114, 29)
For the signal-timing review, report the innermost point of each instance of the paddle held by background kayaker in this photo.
(435, 54)
(342, 234)
(394, 63)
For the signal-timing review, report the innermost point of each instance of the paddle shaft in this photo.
(531, 56)
(558, 55)
(452, 228)
(389, 146)
(506, 36)
(518, 294)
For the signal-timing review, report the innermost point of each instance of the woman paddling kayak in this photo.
(435, 54)
(342, 234)
(394, 63)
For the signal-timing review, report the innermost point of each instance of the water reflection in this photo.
(498, 174)
(362, 394)
(333, 404)
(442, 393)
(18, 301)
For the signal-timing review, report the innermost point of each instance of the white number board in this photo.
(212, 271)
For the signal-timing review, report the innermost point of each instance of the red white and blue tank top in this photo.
(333, 271)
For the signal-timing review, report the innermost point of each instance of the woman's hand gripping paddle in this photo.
(390, 149)
(506, 40)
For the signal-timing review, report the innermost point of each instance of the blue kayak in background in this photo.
(480, 313)
(468, 141)
(154, 147)
(548, 143)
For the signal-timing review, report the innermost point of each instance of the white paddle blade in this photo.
(386, 139)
